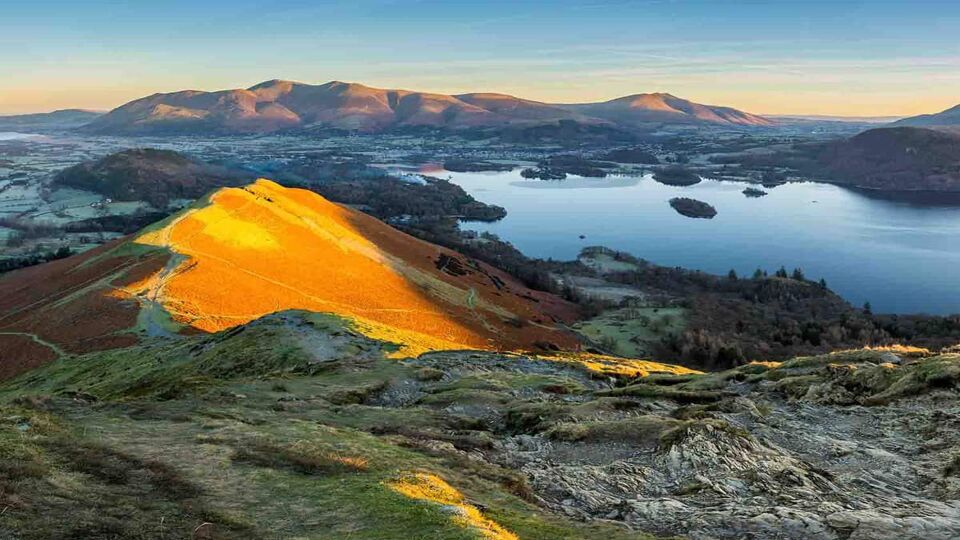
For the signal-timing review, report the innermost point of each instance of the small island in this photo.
(543, 173)
(693, 208)
(466, 165)
(559, 166)
(754, 193)
(676, 175)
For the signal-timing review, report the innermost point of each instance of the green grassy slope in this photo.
(271, 430)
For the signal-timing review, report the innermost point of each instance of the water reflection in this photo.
(913, 198)
(897, 252)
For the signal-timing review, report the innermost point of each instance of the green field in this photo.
(631, 331)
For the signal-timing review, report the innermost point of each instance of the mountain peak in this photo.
(666, 108)
(272, 83)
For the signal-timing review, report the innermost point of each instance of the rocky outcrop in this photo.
(794, 455)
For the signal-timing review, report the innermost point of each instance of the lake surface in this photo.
(14, 136)
(902, 256)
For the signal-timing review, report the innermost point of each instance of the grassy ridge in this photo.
(250, 434)
(297, 426)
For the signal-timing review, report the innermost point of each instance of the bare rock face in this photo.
(766, 465)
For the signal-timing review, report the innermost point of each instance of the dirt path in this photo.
(60, 352)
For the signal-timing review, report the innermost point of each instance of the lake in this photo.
(900, 255)
(15, 136)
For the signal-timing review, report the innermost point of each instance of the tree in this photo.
(609, 344)
(781, 273)
(823, 283)
(798, 275)
(758, 273)
(867, 308)
(732, 275)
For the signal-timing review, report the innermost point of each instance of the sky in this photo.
(863, 58)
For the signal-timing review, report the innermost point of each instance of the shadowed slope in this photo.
(895, 159)
(63, 306)
(246, 252)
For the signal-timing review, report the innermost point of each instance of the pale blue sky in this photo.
(814, 57)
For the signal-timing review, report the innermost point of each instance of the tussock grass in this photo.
(301, 456)
(653, 391)
(641, 430)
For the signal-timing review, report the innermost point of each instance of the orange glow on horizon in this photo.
(790, 99)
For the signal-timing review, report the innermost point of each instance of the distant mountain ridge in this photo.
(949, 117)
(834, 118)
(61, 118)
(667, 108)
(281, 105)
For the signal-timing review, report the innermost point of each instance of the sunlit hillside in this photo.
(242, 253)
(265, 248)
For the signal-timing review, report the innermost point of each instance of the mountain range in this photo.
(62, 119)
(282, 105)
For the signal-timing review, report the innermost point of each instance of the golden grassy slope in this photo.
(431, 488)
(264, 248)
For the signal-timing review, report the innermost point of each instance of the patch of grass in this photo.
(55, 483)
(465, 440)
(174, 368)
(512, 382)
(540, 416)
(861, 376)
(355, 394)
(678, 433)
(302, 456)
(642, 430)
(632, 331)
(653, 391)
(429, 374)
(922, 376)
(796, 386)
(533, 417)
(111, 466)
(465, 396)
